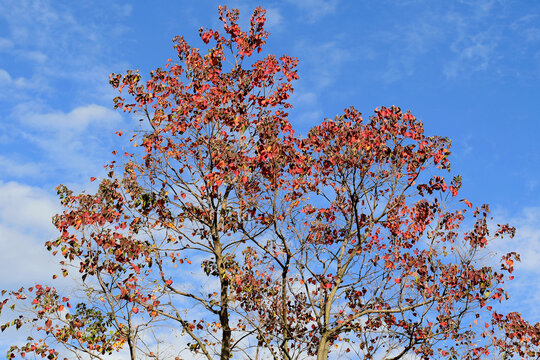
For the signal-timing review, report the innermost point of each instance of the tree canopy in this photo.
(224, 234)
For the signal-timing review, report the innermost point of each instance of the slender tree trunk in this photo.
(322, 351)
(284, 318)
(130, 340)
(224, 302)
(224, 321)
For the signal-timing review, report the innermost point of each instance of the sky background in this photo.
(469, 69)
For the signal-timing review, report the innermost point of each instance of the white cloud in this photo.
(25, 225)
(25, 206)
(76, 120)
(24, 258)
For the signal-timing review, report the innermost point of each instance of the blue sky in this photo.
(469, 69)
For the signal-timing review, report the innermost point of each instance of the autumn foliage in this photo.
(223, 234)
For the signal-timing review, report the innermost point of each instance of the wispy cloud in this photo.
(309, 105)
(17, 168)
(459, 38)
(324, 59)
(5, 44)
(412, 43)
(18, 88)
(56, 42)
(474, 44)
(274, 19)
(528, 26)
(314, 10)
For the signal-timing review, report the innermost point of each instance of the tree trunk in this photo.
(322, 351)
(225, 328)
(224, 302)
(130, 339)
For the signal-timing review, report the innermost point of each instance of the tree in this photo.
(245, 240)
